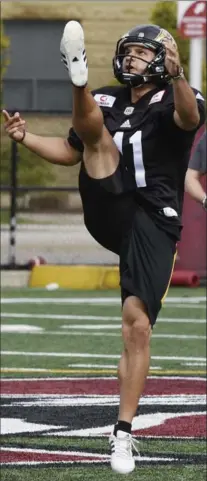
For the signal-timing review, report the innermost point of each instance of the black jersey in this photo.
(154, 151)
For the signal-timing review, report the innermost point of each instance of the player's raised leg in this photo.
(101, 156)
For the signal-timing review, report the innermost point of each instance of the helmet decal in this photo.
(164, 35)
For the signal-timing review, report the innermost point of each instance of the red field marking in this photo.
(185, 423)
(191, 426)
(161, 386)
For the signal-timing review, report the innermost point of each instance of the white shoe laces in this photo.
(123, 447)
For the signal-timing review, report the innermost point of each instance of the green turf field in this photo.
(68, 335)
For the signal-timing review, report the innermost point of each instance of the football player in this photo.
(133, 143)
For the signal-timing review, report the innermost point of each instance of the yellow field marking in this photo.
(100, 371)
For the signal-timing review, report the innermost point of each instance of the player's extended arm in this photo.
(186, 114)
(53, 149)
(194, 187)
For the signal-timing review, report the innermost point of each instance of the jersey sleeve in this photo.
(167, 115)
(105, 99)
(198, 159)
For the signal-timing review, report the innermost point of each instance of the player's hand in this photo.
(14, 126)
(172, 58)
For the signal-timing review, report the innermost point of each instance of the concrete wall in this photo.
(104, 22)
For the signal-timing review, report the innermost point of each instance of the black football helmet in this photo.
(151, 37)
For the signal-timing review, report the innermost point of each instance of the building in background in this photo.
(35, 79)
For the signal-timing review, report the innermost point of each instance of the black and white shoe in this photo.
(122, 460)
(73, 53)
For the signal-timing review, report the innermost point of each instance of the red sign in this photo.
(192, 24)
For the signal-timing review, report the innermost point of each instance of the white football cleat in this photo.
(73, 53)
(122, 460)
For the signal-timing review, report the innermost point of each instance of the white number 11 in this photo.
(136, 141)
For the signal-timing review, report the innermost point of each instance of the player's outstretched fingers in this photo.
(6, 115)
(10, 118)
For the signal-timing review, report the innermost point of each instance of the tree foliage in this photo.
(4, 45)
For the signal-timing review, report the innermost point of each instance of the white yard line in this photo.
(104, 366)
(112, 334)
(60, 316)
(184, 306)
(68, 378)
(197, 364)
(193, 299)
(177, 336)
(21, 329)
(96, 356)
(91, 300)
(86, 329)
(99, 333)
(75, 317)
(180, 320)
(101, 366)
(23, 369)
(69, 333)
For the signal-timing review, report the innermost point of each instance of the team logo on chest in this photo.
(126, 125)
(157, 97)
(129, 110)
